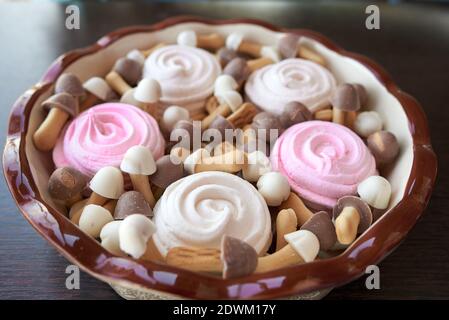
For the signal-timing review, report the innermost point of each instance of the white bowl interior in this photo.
(344, 69)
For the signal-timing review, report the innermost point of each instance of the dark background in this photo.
(412, 44)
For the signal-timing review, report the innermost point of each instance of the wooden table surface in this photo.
(412, 44)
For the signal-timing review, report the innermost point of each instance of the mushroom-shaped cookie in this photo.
(223, 83)
(259, 63)
(66, 184)
(61, 107)
(134, 233)
(303, 246)
(235, 258)
(238, 69)
(229, 102)
(239, 258)
(376, 191)
(243, 115)
(137, 56)
(257, 165)
(98, 91)
(363, 94)
(286, 222)
(367, 123)
(193, 158)
(302, 212)
(93, 218)
(167, 172)
(231, 161)
(323, 115)
(294, 112)
(321, 225)
(131, 202)
(268, 127)
(183, 134)
(71, 84)
(222, 148)
(139, 163)
(345, 101)
(352, 216)
(171, 116)
(126, 73)
(289, 47)
(212, 41)
(109, 237)
(128, 98)
(110, 205)
(236, 42)
(384, 146)
(77, 208)
(225, 55)
(211, 104)
(220, 126)
(148, 92)
(106, 184)
(274, 187)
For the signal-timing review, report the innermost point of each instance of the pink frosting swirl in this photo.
(275, 85)
(323, 161)
(186, 75)
(100, 137)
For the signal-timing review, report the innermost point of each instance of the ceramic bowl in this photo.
(412, 175)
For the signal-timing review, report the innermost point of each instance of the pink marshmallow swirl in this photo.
(186, 75)
(275, 85)
(323, 161)
(101, 135)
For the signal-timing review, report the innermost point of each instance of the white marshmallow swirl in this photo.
(198, 210)
(275, 85)
(186, 75)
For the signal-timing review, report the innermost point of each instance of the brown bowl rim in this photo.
(369, 249)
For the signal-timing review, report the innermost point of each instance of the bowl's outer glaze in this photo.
(370, 248)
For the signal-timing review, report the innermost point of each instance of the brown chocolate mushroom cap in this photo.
(384, 146)
(238, 69)
(63, 101)
(66, 183)
(366, 216)
(363, 95)
(321, 225)
(167, 172)
(346, 98)
(225, 55)
(183, 132)
(239, 258)
(267, 121)
(220, 123)
(131, 202)
(288, 46)
(294, 112)
(129, 69)
(71, 84)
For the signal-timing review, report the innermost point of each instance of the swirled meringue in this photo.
(275, 85)
(186, 75)
(101, 136)
(323, 161)
(198, 210)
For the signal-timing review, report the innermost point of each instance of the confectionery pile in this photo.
(217, 154)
